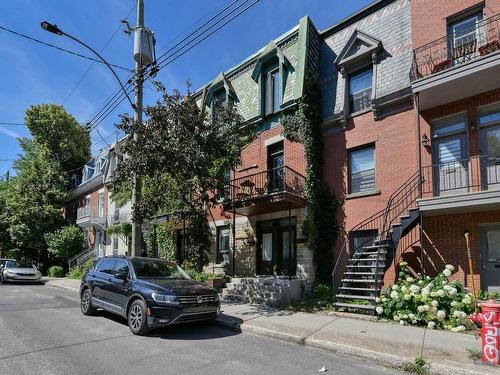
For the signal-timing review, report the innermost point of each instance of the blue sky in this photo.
(33, 73)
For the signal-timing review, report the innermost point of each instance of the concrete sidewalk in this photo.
(387, 343)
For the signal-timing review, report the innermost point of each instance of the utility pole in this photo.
(137, 183)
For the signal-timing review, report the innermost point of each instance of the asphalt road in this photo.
(42, 331)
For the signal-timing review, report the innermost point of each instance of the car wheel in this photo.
(86, 303)
(137, 318)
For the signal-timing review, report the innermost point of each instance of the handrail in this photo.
(445, 52)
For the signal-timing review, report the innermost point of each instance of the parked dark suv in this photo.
(149, 292)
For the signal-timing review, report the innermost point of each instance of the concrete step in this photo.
(356, 266)
(357, 273)
(355, 289)
(355, 296)
(354, 306)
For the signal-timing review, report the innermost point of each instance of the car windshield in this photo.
(18, 264)
(155, 268)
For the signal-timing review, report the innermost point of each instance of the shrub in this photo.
(87, 265)
(65, 242)
(323, 292)
(435, 302)
(202, 276)
(75, 273)
(56, 271)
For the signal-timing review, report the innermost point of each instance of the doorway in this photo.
(490, 258)
(276, 247)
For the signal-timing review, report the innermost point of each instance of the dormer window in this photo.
(220, 92)
(272, 94)
(357, 62)
(270, 73)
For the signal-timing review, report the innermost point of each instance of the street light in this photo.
(55, 30)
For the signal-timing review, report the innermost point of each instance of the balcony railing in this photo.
(270, 182)
(83, 212)
(473, 174)
(449, 51)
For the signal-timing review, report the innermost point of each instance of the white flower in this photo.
(407, 297)
(454, 303)
(405, 316)
(396, 317)
(384, 299)
(441, 315)
(410, 279)
(402, 322)
(453, 291)
(421, 308)
(434, 303)
(447, 272)
(441, 293)
(426, 291)
(414, 288)
(395, 287)
(450, 268)
(427, 307)
(414, 321)
(377, 300)
(411, 316)
(379, 310)
(431, 325)
(404, 289)
(433, 294)
(394, 294)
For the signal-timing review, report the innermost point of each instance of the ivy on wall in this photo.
(161, 238)
(320, 228)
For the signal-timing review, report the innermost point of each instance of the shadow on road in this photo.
(188, 331)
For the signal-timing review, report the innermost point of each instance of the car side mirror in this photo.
(122, 276)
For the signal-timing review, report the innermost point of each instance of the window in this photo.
(360, 89)
(362, 170)
(121, 267)
(101, 204)
(464, 35)
(360, 238)
(272, 96)
(223, 235)
(107, 266)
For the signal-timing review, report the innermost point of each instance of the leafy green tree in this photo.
(35, 199)
(182, 152)
(66, 242)
(54, 128)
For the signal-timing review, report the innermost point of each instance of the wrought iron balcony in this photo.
(267, 191)
(86, 217)
(474, 174)
(449, 51)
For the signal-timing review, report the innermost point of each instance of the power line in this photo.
(109, 106)
(92, 63)
(60, 48)
(12, 124)
(172, 57)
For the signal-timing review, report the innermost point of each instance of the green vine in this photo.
(160, 238)
(320, 228)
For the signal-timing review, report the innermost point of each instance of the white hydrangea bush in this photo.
(435, 302)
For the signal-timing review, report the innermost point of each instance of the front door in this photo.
(276, 163)
(490, 258)
(491, 158)
(276, 247)
(451, 172)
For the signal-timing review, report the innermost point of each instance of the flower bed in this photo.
(433, 301)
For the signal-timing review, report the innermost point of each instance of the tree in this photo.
(54, 128)
(66, 242)
(182, 152)
(35, 199)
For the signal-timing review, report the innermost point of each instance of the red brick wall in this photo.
(256, 154)
(429, 17)
(445, 243)
(395, 161)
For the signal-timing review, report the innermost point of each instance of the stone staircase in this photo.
(271, 291)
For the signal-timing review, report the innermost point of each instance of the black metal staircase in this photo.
(359, 270)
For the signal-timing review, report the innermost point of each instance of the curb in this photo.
(383, 359)
(69, 289)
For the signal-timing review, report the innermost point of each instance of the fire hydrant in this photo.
(490, 331)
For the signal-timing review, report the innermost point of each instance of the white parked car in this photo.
(16, 270)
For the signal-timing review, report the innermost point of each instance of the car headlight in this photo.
(164, 298)
(9, 272)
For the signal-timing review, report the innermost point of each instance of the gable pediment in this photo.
(359, 45)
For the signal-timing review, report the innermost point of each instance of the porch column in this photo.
(289, 242)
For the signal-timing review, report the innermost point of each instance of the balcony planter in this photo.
(441, 66)
(490, 47)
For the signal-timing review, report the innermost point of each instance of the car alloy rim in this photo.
(85, 301)
(136, 317)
